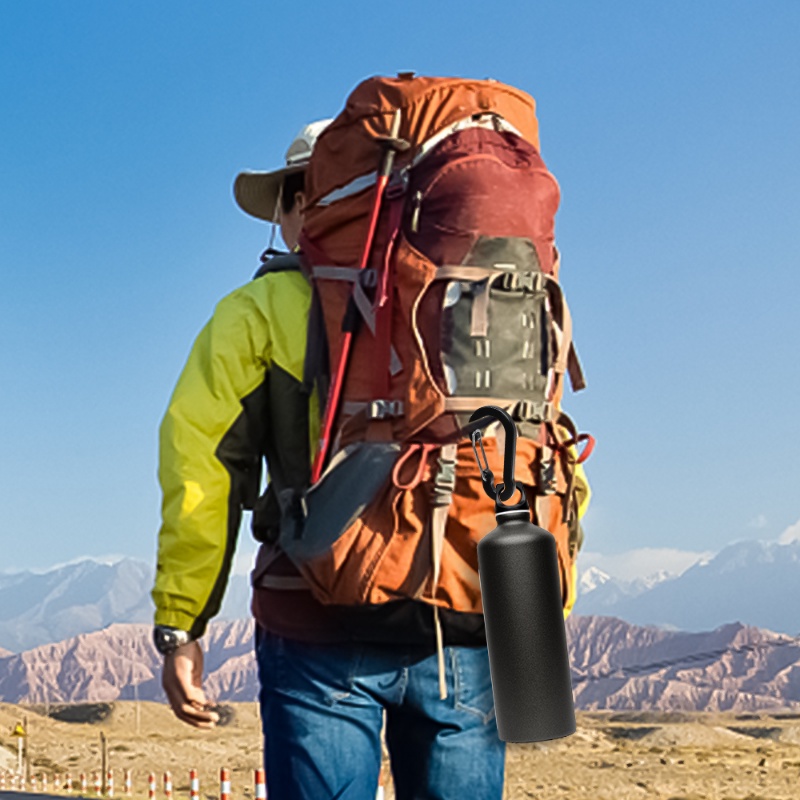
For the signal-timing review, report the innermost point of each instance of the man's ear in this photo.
(300, 201)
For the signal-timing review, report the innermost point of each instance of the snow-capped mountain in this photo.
(600, 593)
(40, 608)
(754, 582)
(591, 579)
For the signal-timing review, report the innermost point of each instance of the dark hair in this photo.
(293, 183)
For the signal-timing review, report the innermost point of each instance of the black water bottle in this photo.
(522, 609)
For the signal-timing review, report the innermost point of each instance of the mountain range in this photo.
(754, 582)
(40, 608)
(120, 662)
(615, 665)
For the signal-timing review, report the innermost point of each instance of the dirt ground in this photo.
(612, 755)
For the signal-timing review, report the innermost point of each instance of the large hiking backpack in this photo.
(458, 306)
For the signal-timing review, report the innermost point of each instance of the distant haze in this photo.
(751, 582)
(754, 582)
(85, 596)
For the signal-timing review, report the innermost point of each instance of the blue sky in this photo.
(672, 129)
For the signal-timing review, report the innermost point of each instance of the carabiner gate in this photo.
(487, 476)
(483, 417)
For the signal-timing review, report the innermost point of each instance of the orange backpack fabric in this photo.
(351, 146)
(459, 306)
(387, 553)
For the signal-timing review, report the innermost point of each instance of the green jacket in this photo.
(235, 401)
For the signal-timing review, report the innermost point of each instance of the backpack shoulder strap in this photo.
(316, 369)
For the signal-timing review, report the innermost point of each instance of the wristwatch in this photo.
(167, 640)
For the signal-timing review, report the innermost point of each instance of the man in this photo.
(327, 675)
(190, 561)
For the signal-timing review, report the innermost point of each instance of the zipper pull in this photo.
(415, 211)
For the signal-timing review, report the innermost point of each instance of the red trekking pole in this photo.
(391, 145)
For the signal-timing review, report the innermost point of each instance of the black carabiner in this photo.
(481, 418)
(487, 476)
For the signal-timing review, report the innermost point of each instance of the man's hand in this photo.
(182, 679)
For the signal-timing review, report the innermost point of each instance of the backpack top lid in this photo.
(352, 145)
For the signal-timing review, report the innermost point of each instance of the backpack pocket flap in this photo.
(314, 522)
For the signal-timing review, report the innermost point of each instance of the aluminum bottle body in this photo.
(528, 658)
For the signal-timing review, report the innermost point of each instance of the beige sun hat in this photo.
(258, 193)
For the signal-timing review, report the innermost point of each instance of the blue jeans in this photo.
(322, 710)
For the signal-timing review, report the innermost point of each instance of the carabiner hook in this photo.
(487, 476)
(483, 417)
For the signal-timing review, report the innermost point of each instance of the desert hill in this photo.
(615, 665)
(121, 662)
